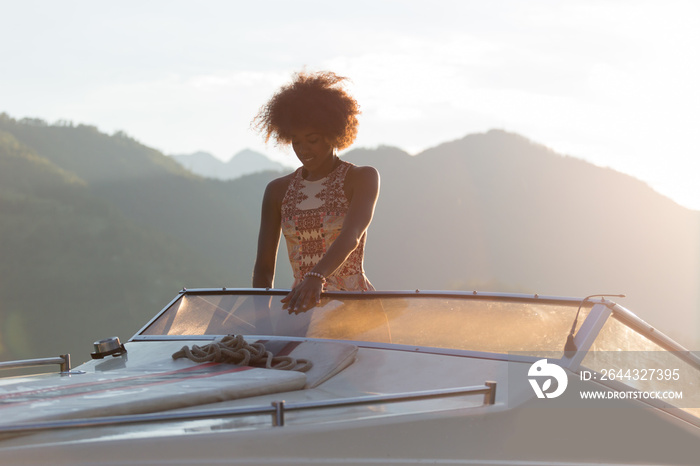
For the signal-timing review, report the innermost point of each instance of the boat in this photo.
(231, 376)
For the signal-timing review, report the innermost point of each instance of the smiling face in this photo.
(313, 150)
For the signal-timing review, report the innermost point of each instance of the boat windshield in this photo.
(459, 321)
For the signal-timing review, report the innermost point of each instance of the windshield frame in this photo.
(600, 310)
(472, 295)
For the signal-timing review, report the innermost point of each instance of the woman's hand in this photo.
(305, 295)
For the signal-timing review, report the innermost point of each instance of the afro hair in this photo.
(312, 100)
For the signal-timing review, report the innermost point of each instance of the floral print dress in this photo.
(313, 213)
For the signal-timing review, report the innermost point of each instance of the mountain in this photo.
(497, 212)
(72, 263)
(100, 231)
(243, 163)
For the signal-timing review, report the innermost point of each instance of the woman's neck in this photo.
(322, 171)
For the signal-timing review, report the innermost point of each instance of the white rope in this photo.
(233, 349)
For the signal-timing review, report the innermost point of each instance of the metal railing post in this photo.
(278, 415)
(490, 396)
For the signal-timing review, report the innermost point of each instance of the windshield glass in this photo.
(625, 355)
(455, 322)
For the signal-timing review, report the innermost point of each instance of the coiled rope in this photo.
(233, 349)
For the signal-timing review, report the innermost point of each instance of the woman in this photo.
(325, 207)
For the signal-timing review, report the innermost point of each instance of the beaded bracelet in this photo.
(317, 275)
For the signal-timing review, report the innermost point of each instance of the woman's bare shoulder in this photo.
(278, 187)
(363, 174)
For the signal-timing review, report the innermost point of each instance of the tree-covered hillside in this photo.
(98, 232)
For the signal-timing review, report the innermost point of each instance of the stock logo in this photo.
(542, 370)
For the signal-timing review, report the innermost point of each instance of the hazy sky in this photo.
(614, 82)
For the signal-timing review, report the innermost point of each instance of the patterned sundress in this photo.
(313, 213)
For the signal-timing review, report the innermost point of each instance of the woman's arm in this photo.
(269, 235)
(363, 184)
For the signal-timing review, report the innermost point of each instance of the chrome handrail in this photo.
(488, 390)
(62, 360)
(277, 409)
